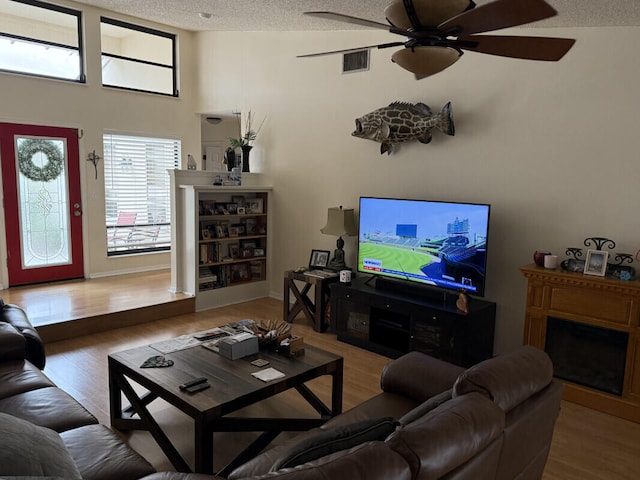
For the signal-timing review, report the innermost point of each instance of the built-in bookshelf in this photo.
(232, 239)
(221, 248)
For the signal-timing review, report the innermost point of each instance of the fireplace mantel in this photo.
(597, 301)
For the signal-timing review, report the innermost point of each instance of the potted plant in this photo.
(245, 140)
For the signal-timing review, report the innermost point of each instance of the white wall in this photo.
(95, 109)
(552, 146)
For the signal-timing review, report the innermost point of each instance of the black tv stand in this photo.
(393, 321)
(439, 295)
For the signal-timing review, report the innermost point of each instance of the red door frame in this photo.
(75, 269)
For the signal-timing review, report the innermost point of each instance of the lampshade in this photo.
(340, 221)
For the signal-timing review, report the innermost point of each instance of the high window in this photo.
(138, 58)
(137, 192)
(40, 39)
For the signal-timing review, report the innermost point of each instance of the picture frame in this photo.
(234, 231)
(206, 234)
(241, 211)
(596, 263)
(319, 258)
(250, 225)
(234, 250)
(240, 272)
(232, 208)
(258, 252)
(255, 205)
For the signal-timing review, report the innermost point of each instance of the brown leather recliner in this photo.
(492, 421)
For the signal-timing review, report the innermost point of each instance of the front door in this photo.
(42, 209)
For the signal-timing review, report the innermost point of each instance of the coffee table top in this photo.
(232, 385)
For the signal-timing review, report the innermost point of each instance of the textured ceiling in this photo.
(257, 15)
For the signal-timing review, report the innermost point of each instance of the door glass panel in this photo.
(43, 201)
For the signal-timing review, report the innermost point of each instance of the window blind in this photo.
(137, 192)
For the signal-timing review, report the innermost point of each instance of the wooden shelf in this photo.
(215, 282)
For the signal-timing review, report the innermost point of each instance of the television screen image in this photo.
(442, 244)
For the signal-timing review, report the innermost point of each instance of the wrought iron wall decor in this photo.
(615, 269)
(94, 159)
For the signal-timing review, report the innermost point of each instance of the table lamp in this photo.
(340, 221)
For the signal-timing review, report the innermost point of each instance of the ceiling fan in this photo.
(438, 31)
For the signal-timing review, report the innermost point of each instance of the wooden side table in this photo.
(313, 308)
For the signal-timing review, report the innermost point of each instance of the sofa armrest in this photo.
(13, 345)
(16, 316)
(418, 376)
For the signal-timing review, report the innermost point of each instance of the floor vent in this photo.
(357, 61)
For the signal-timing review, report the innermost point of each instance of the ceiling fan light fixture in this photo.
(430, 13)
(425, 61)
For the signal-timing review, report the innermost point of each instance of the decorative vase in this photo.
(231, 159)
(245, 157)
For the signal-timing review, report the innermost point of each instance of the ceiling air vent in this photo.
(355, 61)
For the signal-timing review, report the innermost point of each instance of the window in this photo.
(138, 58)
(40, 39)
(137, 193)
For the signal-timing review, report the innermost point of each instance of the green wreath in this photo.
(28, 148)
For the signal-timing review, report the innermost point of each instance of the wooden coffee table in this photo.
(232, 388)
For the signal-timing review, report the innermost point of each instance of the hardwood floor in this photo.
(587, 445)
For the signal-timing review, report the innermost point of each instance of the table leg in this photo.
(203, 442)
(336, 388)
(118, 384)
(285, 303)
(321, 303)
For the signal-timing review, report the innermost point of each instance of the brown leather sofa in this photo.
(494, 420)
(432, 420)
(43, 430)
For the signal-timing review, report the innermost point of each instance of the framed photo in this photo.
(234, 250)
(596, 263)
(240, 272)
(232, 208)
(241, 211)
(250, 224)
(258, 252)
(221, 209)
(255, 205)
(234, 231)
(206, 234)
(319, 259)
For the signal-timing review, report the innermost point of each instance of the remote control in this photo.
(197, 387)
(192, 383)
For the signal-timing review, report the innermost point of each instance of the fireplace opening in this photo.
(587, 355)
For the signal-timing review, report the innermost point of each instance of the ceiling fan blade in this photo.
(347, 50)
(429, 13)
(497, 15)
(531, 48)
(425, 61)
(339, 17)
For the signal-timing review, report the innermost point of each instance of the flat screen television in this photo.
(440, 244)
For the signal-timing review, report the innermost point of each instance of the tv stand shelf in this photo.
(391, 322)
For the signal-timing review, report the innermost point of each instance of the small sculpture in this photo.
(462, 303)
(402, 122)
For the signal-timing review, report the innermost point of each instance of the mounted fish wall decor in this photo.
(402, 122)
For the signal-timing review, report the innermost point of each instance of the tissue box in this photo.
(238, 346)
